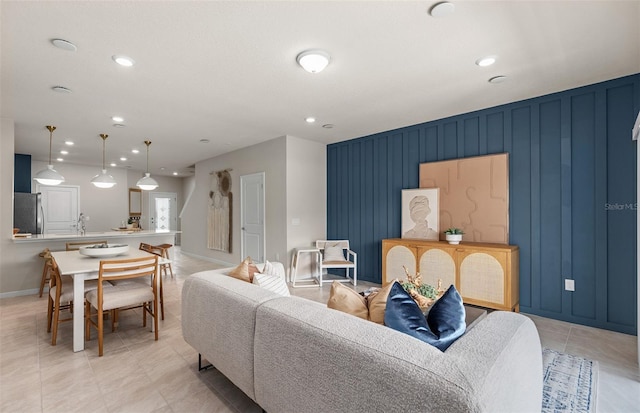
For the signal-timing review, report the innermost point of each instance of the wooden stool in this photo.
(165, 254)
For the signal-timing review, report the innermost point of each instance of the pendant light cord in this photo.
(51, 129)
(147, 143)
(104, 150)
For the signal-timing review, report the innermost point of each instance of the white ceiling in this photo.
(226, 71)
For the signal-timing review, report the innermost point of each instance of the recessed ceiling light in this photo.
(68, 143)
(118, 125)
(60, 160)
(162, 168)
(204, 141)
(123, 159)
(64, 44)
(313, 61)
(63, 152)
(123, 60)
(135, 151)
(117, 118)
(498, 79)
(486, 61)
(310, 119)
(442, 9)
(113, 164)
(327, 126)
(61, 89)
(175, 173)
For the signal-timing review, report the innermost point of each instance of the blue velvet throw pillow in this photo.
(444, 323)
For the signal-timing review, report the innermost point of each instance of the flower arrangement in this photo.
(423, 294)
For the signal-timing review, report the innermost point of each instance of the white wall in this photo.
(267, 157)
(306, 196)
(295, 187)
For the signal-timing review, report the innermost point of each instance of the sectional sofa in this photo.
(290, 354)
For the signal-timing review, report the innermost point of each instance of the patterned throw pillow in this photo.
(245, 270)
(272, 282)
(444, 324)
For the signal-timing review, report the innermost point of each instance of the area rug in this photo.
(570, 383)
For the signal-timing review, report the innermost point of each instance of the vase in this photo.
(453, 238)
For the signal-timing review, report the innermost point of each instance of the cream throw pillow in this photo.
(345, 299)
(333, 252)
(377, 303)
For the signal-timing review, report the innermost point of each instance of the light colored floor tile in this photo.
(138, 374)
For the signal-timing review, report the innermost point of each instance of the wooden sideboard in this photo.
(485, 274)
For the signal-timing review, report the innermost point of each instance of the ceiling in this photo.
(226, 71)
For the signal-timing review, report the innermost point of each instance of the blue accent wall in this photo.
(572, 188)
(21, 173)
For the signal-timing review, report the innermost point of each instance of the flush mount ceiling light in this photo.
(486, 61)
(135, 151)
(61, 89)
(64, 44)
(68, 143)
(442, 9)
(313, 61)
(63, 152)
(123, 60)
(117, 118)
(103, 180)
(310, 119)
(147, 183)
(49, 176)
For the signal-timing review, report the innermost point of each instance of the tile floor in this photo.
(137, 374)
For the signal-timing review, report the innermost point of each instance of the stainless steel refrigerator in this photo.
(28, 214)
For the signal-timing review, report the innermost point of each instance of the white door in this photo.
(252, 242)
(163, 214)
(60, 205)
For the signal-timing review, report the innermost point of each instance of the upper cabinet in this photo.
(135, 202)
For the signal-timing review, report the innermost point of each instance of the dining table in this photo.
(81, 268)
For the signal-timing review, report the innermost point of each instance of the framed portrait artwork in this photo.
(420, 213)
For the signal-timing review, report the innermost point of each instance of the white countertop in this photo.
(91, 235)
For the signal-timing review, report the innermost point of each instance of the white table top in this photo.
(72, 262)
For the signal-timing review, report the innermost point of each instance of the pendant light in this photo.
(103, 180)
(49, 176)
(147, 183)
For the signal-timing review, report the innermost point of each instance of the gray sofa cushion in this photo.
(503, 358)
(309, 358)
(219, 322)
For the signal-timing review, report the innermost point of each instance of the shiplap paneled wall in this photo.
(572, 194)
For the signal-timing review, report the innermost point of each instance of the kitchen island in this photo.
(22, 267)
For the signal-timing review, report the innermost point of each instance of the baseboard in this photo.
(20, 293)
(213, 260)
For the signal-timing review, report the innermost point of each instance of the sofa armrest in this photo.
(502, 358)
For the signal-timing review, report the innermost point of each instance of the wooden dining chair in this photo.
(152, 249)
(122, 295)
(46, 255)
(61, 297)
(75, 246)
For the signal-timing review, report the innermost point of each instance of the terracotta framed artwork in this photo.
(420, 213)
(474, 195)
